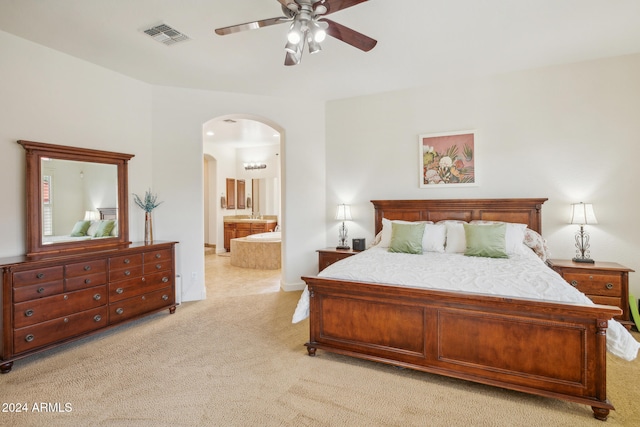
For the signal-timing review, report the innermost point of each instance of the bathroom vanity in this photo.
(241, 226)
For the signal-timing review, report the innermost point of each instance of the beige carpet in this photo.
(236, 360)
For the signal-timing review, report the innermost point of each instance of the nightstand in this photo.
(328, 256)
(603, 282)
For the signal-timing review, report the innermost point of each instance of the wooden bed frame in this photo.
(549, 349)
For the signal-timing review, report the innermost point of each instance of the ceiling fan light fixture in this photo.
(295, 32)
(319, 33)
(314, 46)
(293, 48)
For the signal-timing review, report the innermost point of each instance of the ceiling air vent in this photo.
(166, 35)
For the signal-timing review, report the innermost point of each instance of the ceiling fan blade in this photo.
(349, 36)
(251, 25)
(335, 5)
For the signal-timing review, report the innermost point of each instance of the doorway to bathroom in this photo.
(242, 180)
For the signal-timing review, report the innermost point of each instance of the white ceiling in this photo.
(420, 42)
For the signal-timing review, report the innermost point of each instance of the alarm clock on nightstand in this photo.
(358, 244)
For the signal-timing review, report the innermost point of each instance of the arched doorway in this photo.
(231, 144)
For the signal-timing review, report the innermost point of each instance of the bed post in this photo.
(601, 373)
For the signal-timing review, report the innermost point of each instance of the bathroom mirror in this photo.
(69, 185)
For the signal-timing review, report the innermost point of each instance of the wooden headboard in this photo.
(524, 211)
(108, 213)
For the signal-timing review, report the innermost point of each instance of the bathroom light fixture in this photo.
(582, 214)
(254, 165)
(343, 213)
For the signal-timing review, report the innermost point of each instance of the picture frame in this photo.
(447, 160)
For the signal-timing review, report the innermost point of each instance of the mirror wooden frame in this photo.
(35, 151)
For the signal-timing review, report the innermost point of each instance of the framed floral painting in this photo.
(447, 159)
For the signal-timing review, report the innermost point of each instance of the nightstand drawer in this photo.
(328, 256)
(609, 285)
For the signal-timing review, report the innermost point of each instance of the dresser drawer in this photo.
(54, 330)
(125, 262)
(158, 261)
(131, 307)
(26, 293)
(138, 286)
(596, 284)
(41, 275)
(84, 268)
(127, 273)
(48, 308)
(86, 281)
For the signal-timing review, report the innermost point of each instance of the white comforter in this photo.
(520, 276)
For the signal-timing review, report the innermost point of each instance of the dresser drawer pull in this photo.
(40, 290)
(87, 281)
(97, 318)
(97, 297)
(87, 267)
(40, 275)
(66, 297)
(29, 338)
(119, 291)
(165, 279)
(158, 266)
(609, 286)
(127, 261)
(28, 313)
(119, 310)
(127, 273)
(165, 297)
(158, 255)
(574, 283)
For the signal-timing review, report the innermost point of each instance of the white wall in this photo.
(178, 117)
(50, 97)
(569, 133)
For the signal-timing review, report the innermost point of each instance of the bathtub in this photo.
(259, 251)
(273, 236)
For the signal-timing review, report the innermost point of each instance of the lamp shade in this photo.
(91, 216)
(582, 213)
(343, 213)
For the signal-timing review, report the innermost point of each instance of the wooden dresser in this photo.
(48, 301)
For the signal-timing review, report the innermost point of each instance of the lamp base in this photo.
(583, 260)
(346, 248)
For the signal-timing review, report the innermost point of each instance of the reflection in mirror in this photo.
(66, 184)
(72, 196)
(265, 196)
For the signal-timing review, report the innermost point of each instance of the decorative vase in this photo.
(148, 228)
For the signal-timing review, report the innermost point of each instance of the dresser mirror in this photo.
(77, 199)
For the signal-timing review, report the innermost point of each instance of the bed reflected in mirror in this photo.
(78, 200)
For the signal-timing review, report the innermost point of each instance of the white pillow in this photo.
(430, 242)
(434, 237)
(514, 235)
(93, 228)
(456, 240)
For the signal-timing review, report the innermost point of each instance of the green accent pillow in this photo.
(406, 238)
(486, 240)
(104, 229)
(80, 229)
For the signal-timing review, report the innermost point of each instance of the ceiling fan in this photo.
(308, 25)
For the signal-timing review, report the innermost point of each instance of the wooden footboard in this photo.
(543, 348)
